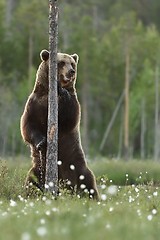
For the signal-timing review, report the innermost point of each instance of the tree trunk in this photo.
(85, 140)
(9, 11)
(65, 33)
(156, 140)
(30, 60)
(108, 129)
(85, 96)
(95, 17)
(126, 109)
(143, 128)
(120, 145)
(52, 134)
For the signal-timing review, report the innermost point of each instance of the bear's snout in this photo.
(71, 73)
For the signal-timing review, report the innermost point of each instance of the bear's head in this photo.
(66, 67)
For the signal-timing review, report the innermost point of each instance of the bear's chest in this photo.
(68, 115)
(38, 109)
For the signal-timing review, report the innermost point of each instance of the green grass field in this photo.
(126, 211)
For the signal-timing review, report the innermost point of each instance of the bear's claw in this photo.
(41, 145)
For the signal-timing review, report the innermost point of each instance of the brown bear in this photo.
(72, 167)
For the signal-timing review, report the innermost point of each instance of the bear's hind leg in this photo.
(36, 175)
(87, 182)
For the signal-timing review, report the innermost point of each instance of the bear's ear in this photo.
(75, 57)
(44, 55)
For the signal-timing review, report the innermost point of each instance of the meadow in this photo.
(129, 207)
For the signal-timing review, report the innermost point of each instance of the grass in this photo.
(125, 211)
(127, 173)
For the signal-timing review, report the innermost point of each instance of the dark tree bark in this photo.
(52, 134)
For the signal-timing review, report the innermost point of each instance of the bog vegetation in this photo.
(124, 212)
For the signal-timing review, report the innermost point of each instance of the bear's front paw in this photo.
(41, 145)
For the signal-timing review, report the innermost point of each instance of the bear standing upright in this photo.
(72, 168)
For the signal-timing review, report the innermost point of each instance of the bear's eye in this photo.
(73, 65)
(61, 63)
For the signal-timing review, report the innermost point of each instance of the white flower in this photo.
(136, 190)
(42, 221)
(82, 186)
(139, 212)
(68, 182)
(48, 212)
(111, 209)
(13, 203)
(108, 226)
(81, 177)
(72, 167)
(25, 236)
(44, 198)
(131, 199)
(154, 211)
(91, 191)
(55, 209)
(4, 214)
(31, 204)
(51, 184)
(155, 194)
(20, 198)
(86, 190)
(41, 231)
(112, 190)
(46, 186)
(48, 202)
(103, 186)
(149, 217)
(103, 197)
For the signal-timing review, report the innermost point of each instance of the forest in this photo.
(118, 43)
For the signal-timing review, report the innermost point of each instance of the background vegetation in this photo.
(124, 212)
(103, 33)
(118, 42)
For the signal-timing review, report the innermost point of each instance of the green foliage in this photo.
(127, 173)
(99, 32)
(109, 172)
(11, 180)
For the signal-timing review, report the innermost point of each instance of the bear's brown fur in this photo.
(73, 168)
